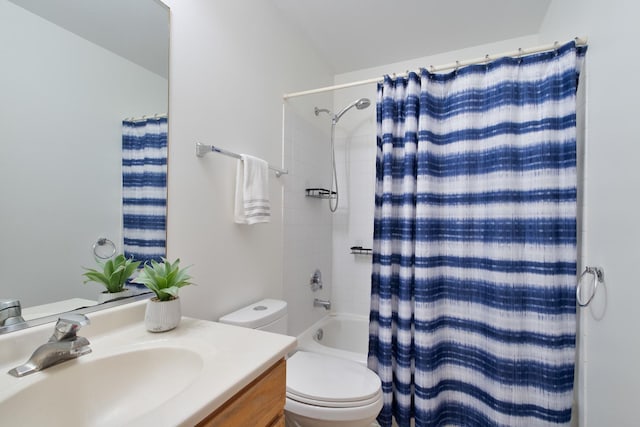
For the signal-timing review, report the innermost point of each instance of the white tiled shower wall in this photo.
(353, 221)
(313, 236)
(307, 221)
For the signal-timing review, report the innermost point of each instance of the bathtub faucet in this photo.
(317, 302)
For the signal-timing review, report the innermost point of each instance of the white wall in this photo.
(63, 101)
(612, 382)
(231, 62)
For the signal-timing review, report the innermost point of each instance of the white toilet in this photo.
(322, 391)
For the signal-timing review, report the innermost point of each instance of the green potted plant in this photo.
(165, 279)
(113, 276)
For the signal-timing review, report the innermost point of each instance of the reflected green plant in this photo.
(114, 274)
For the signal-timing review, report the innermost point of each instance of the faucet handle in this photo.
(8, 303)
(67, 326)
(10, 312)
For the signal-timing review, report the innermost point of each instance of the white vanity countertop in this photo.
(44, 310)
(231, 358)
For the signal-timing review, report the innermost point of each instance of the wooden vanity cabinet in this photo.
(260, 404)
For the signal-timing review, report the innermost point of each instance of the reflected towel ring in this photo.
(104, 248)
(598, 277)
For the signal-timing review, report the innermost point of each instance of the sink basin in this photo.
(102, 391)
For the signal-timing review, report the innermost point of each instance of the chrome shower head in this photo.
(360, 104)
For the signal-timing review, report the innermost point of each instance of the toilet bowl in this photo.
(322, 390)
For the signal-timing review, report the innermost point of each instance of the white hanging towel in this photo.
(252, 191)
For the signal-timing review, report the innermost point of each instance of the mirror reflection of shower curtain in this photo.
(144, 188)
(473, 309)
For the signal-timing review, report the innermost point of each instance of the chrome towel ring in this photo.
(104, 248)
(598, 277)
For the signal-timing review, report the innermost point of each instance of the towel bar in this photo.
(202, 149)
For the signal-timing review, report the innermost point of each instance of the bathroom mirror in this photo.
(72, 70)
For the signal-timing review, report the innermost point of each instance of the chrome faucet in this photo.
(10, 312)
(63, 345)
(317, 302)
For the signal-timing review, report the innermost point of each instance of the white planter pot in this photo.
(162, 316)
(108, 296)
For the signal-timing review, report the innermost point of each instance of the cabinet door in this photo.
(260, 404)
(278, 422)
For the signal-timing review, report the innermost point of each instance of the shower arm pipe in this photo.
(202, 149)
(580, 41)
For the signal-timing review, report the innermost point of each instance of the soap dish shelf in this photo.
(320, 193)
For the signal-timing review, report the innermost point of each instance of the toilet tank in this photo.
(267, 315)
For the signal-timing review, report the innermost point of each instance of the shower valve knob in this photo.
(316, 281)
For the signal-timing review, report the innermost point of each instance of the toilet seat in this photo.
(351, 404)
(330, 382)
(358, 413)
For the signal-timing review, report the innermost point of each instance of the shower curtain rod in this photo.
(580, 41)
(139, 119)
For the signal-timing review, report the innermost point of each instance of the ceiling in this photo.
(349, 34)
(357, 34)
(115, 25)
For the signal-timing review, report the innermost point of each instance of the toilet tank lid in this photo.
(257, 314)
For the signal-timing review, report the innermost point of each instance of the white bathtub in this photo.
(343, 335)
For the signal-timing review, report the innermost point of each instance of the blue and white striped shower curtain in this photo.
(473, 285)
(144, 188)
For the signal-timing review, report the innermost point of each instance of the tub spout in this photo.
(317, 302)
